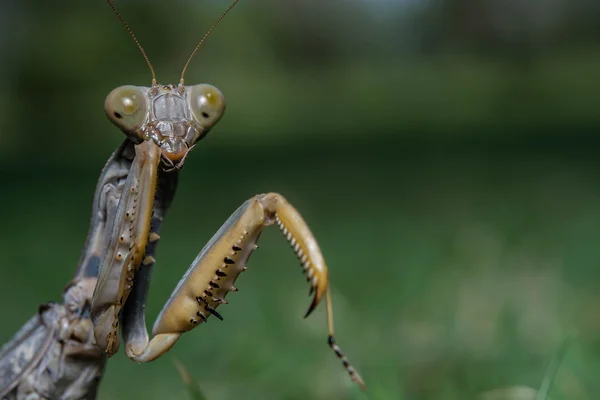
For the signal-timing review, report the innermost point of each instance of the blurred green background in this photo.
(444, 153)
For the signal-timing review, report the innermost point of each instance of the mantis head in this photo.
(174, 117)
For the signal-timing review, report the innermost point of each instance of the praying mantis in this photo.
(106, 298)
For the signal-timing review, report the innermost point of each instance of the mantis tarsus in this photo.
(162, 124)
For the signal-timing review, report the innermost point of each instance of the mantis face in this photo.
(173, 117)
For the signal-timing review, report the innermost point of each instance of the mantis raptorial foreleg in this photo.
(127, 246)
(133, 312)
(213, 273)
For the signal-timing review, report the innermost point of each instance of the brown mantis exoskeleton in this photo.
(166, 122)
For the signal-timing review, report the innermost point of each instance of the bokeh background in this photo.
(444, 152)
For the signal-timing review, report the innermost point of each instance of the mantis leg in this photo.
(211, 276)
(128, 241)
(106, 199)
(134, 310)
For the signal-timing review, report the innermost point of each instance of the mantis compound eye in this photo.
(125, 106)
(207, 104)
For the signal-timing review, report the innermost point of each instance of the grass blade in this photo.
(552, 369)
(193, 389)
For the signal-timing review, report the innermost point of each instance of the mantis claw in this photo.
(311, 308)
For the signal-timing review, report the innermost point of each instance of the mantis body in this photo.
(162, 124)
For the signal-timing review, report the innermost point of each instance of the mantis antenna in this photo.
(134, 39)
(112, 6)
(203, 38)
